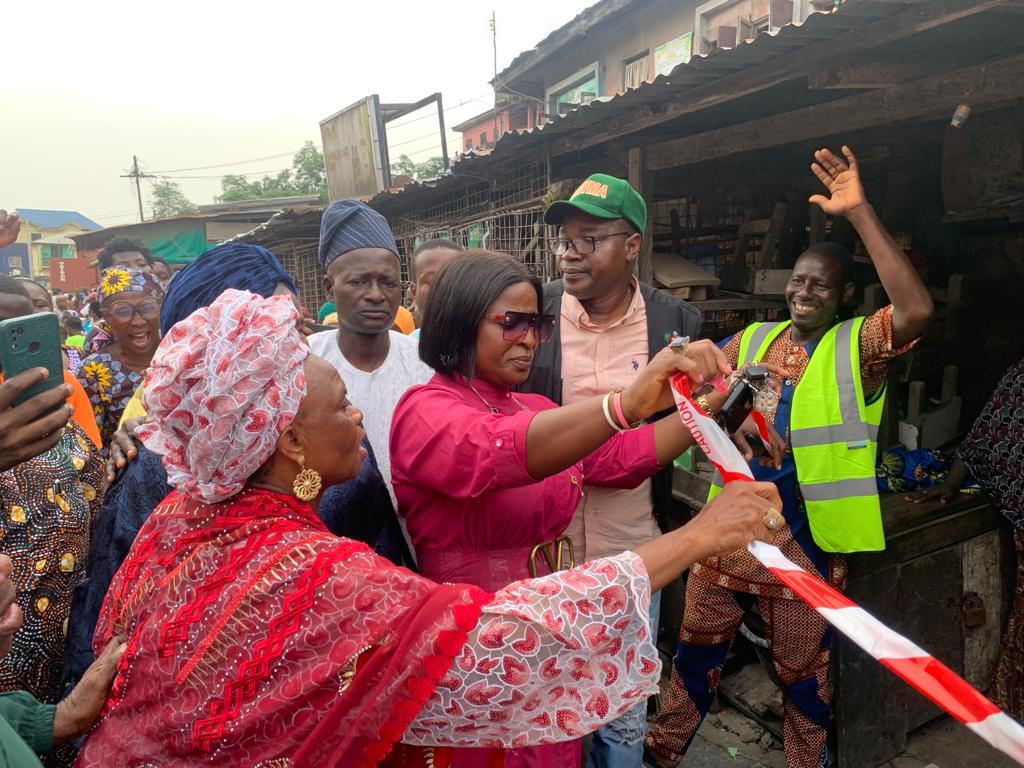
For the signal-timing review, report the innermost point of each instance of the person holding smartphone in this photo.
(50, 473)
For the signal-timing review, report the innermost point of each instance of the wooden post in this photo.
(641, 180)
(767, 257)
(915, 402)
(950, 375)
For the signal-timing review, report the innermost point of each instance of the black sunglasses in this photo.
(515, 325)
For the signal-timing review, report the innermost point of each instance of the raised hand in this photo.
(842, 179)
(10, 225)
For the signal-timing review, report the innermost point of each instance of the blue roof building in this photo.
(44, 219)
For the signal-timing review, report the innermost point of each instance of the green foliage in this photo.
(428, 169)
(169, 200)
(307, 176)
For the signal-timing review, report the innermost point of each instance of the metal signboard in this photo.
(356, 150)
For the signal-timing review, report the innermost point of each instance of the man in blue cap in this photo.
(364, 280)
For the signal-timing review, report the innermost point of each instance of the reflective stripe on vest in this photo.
(751, 346)
(839, 489)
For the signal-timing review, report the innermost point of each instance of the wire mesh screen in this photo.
(502, 213)
(299, 259)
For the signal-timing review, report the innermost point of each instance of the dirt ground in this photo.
(728, 739)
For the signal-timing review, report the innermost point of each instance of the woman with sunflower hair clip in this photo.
(130, 301)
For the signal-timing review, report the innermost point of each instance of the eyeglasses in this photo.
(515, 325)
(584, 246)
(123, 312)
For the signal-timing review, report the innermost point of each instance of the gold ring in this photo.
(772, 519)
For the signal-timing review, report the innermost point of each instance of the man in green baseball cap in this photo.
(604, 197)
(609, 326)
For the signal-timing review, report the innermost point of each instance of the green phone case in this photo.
(28, 342)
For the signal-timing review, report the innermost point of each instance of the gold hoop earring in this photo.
(307, 483)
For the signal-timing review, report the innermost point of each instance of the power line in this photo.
(392, 145)
(114, 213)
(449, 109)
(207, 178)
(136, 174)
(226, 165)
(420, 152)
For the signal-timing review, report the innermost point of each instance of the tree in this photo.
(169, 200)
(428, 169)
(309, 171)
(307, 176)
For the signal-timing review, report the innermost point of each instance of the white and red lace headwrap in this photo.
(223, 386)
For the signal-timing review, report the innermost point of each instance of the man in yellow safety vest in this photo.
(828, 416)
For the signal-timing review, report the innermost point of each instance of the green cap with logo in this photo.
(605, 197)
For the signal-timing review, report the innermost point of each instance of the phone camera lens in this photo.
(20, 330)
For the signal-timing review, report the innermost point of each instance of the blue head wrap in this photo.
(350, 224)
(232, 265)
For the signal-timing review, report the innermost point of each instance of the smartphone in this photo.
(28, 342)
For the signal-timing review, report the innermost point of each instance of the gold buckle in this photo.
(554, 553)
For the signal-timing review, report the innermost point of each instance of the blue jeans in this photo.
(620, 744)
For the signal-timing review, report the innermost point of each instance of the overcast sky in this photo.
(191, 84)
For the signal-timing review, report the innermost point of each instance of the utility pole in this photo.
(494, 40)
(136, 174)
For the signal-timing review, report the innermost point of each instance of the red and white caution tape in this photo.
(914, 665)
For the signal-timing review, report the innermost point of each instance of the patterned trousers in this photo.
(800, 642)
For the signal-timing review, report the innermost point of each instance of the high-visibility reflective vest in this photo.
(833, 432)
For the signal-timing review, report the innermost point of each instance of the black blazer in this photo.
(666, 315)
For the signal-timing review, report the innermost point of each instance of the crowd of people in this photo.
(243, 533)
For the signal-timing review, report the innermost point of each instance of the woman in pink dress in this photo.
(487, 478)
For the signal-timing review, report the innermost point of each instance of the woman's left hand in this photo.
(122, 447)
(649, 393)
(76, 713)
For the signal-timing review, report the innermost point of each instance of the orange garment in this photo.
(82, 413)
(595, 360)
(81, 407)
(404, 321)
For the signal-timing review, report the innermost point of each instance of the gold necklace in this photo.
(491, 407)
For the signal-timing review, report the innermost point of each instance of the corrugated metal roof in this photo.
(301, 217)
(564, 35)
(731, 86)
(47, 219)
(705, 68)
(699, 71)
(95, 239)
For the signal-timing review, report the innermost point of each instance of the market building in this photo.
(930, 96)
